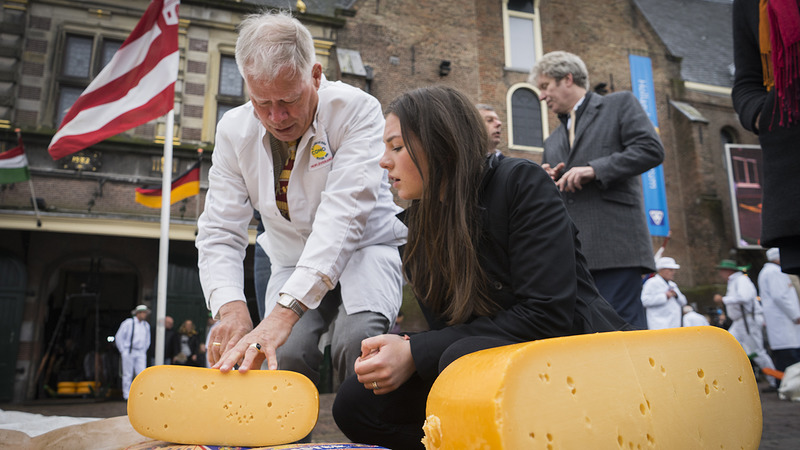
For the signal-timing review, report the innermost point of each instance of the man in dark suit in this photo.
(595, 157)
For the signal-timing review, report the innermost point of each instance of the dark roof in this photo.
(700, 32)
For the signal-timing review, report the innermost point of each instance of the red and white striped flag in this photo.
(137, 85)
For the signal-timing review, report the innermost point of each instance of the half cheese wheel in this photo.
(193, 405)
(676, 388)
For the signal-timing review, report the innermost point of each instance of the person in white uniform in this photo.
(692, 318)
(781, 312)
(661, 298)
(132, 340)
(742, 307)
(305, 153)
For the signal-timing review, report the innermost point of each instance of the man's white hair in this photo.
(273, 43)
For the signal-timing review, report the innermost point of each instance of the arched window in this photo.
(526, 123)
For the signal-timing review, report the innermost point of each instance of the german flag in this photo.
(185, 186)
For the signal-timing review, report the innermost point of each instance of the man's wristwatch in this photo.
(289, 302)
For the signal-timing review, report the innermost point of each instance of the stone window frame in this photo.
(543, 111)
(226, 100)
(534, 17)
(60, 81)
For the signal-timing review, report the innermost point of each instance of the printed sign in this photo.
(655, 194)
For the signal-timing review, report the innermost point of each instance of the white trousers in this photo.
(132, 363)
(753, 342)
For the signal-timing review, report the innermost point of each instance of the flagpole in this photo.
(163, 246)
(30, 183)
(197, 201)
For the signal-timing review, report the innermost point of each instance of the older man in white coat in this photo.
(661, 298)
(305, 153)
(781, 312)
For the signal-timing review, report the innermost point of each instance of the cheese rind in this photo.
(676, 388)
(193, 405)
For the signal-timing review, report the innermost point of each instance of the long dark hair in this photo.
(441, 125)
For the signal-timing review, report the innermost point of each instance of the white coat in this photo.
(743, 308)
(343, 226)
(132, 340)
(781, 307)
(662, 311)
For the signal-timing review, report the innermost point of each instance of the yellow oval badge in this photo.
(318, 151)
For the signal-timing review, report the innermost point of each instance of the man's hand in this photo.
(554, 172)
(717, 298)
(234, 323)
(574, 179)
(385, 363)
(270, 334)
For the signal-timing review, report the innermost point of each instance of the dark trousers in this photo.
(785, 357)
(394, 420)
(622, 288)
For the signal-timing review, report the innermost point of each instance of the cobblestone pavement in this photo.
(781, 418)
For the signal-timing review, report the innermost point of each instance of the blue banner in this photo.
(655, 194)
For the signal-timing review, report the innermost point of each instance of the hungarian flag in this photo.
(14, 165)
(185, 186)
(137, 85)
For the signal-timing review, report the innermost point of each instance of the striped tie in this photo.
(283, 181)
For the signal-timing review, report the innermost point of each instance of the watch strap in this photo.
(289, 302)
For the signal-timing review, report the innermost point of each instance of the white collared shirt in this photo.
(575, 108)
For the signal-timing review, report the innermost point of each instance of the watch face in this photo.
(290, 302)
(286, 300)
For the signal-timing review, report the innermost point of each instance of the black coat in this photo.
(531, 255)
(780, 217)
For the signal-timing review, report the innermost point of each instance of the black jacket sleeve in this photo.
(749, 92)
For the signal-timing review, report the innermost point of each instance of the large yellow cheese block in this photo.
(671, 389)
(192, 405)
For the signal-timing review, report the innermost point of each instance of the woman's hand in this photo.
(385, 363)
